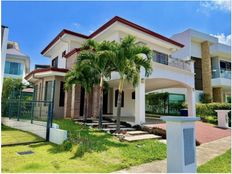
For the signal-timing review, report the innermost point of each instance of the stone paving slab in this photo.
(136, 132)
(205, 152)
(141, 137)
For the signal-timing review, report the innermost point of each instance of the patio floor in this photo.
(204, 132)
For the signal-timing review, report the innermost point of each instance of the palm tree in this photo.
(130, 58)
(99, 57)
(82, 74)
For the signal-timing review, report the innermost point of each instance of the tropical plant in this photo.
(129, 58)
(84, 75)
(98, 57)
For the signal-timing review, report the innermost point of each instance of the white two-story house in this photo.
(64, 48)
(212, 63)
(17, 64)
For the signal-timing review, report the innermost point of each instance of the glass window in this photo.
(13, 68)
(48, 91)
(176, 98)
(226, 66)
(55, 62)
(160, 57)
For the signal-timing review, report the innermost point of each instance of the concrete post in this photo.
(181, 144)
(140, 103)
(223, 118)
(191, 99)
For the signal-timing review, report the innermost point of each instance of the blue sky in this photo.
(35, 24)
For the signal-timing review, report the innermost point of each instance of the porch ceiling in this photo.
(151, 84)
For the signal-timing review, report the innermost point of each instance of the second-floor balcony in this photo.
(174, 62)
(221, 78)
(221, 74)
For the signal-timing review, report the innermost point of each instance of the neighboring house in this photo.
(212, 65)
(4, 39)
(17, 64)
(63, 50)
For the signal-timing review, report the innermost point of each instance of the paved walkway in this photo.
(205, 152)
(204, 132)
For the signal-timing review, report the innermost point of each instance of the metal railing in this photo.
(174, 62)
(37, 112)
(27, 110)
(216, 73)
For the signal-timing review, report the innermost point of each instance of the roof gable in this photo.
(108, 24)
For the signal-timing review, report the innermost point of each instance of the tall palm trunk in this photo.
(119, 101)
(86, 106)
(100, 103)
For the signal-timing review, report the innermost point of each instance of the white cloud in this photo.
(207, 6)
(76, 24)
(222, 38)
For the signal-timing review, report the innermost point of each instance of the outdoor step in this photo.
(96, 124)
(125, 128)
(141, 137)
(137, 132)
(115, 125)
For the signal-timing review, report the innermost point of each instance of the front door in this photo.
(105, 102)
(82, 101)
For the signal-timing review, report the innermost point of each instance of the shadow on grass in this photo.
(87, 141)
(84, 139)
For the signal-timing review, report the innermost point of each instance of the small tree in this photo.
(99, 57)
(11, 88)
(130, 58)
(85, 75)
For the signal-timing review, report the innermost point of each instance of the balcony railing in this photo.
(216, 73)
(174, 62)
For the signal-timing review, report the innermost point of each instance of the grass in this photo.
(220, 164)
(87, 150)
(12, 136)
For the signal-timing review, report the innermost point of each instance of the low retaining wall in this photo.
(57, 135)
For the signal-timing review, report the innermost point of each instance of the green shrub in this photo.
(66, 146)
(205, 98)
(207, 111)
(209, 108)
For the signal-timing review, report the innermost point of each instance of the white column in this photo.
(181, 144)
(140, 103)
(223, 118)
(191, 99)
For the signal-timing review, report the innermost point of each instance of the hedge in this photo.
(207, 111)
(209, 108)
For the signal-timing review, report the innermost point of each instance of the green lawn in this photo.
(220, 164)
(87, 150)
(12, 136)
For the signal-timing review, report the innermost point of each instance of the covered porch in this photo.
(133, 99)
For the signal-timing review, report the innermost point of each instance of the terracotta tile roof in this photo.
(45, 70)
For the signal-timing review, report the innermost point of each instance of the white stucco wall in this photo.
(129, 103)
(58, 52)
(3, 54)
(185, 39)
(196, 49)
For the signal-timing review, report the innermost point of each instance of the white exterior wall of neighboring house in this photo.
(14, 55)
(192, 40)
(4, 39)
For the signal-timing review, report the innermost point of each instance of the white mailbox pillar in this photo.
(181, 144)
(222, 116)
